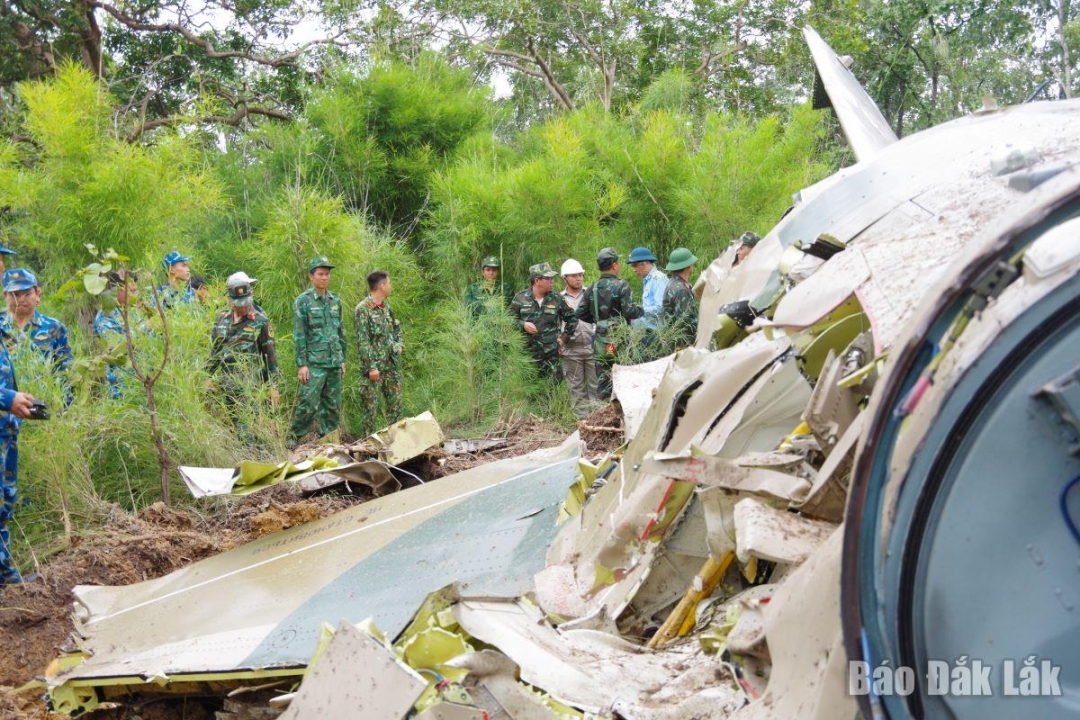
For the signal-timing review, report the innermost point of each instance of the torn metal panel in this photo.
(461, 447)
(802, 627)
(865, 127)
(832, 408)
(597, 672)
(408, 438)
(449, 711)
(246, 478)
(828, 495)
(634, 387)
(762, 416)
(261, 605)
(730, 474)
(770, 534)
(356, 676)
(809, 302)
(371, 474)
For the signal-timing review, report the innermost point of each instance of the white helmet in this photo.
(572, 267)
(239, 278)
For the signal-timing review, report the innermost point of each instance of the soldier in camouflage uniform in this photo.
(13, 406)
(378, 337)
(680, 305)
(242, 347)
(177, 291)
(22, 325)
(545, 318)
(608, 303)
(319, 343)
(481, 295)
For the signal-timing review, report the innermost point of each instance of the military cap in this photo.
(607, 255)
(641, 254)
(7, 251)
(240, 295)
(750, 239)
(19, 279)
(543, 270)
(490, 261)
(680, 259)
(172, 258)
(318, 262)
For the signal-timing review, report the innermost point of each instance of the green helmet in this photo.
(490, 261)
(681, 258)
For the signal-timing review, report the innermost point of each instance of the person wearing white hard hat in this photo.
(579, 366)
(243, 352)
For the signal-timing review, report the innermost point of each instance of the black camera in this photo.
(38, 410)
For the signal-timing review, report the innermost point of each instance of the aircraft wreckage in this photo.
(852, 496)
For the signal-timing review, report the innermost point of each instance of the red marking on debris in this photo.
(659, 510)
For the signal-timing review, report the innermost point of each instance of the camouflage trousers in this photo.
(388, 386)
(548, 362)
(580, 372)
(319, 398)
(9, 574)
(604, 361)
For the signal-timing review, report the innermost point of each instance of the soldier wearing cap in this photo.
(178, 290)
(545, 318)
(109, 326)
(242, 344)
(607, 303)
(380, 345)
(4, 251)
(22, 321)
(680, 305)
(319, 344)
(578, 363)
(653, 284)
(747, 242)
(481, 294)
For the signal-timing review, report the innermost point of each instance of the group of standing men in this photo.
(244, 332)
(573, 334)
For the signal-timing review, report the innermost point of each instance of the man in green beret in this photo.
(319, 345)
(545, 318)
(680, 306)
(484, 293)
(608, 303)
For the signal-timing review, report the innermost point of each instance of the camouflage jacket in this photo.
(552, 317)
(235, 346)
(318, 333)
(172, 296)
(378, 336)
(112, 323)
(479, 297)
(47, 335)
(607, 303)
(9, 424)
(681, 312)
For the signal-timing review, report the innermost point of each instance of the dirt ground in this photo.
(35, 618)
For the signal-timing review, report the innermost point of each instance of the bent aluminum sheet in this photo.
(261, 605)
(598, 672)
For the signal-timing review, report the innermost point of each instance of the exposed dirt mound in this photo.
(522, 435)
(602, 430)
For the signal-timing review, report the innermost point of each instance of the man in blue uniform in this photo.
(22, 321)
(15, 405)
(4, 252)
(109, 327)
(178, 290)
